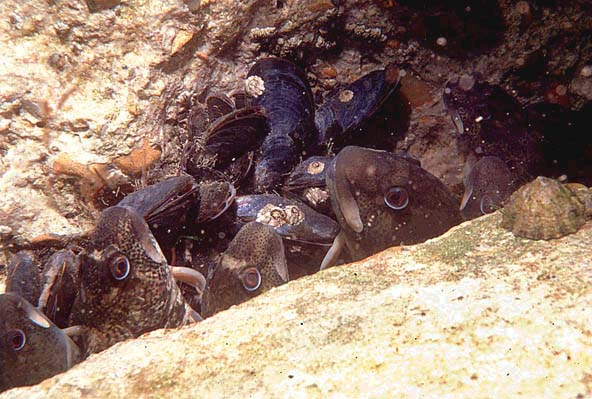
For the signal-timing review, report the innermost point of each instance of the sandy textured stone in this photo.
(476, 313)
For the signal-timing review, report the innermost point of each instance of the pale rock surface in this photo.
(475, 313)
(91, 81)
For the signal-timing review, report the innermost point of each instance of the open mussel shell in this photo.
(60, 286)
(346, 108)
(218, 105)
(241, 99)
(234, 135)
(167, 203)
(291, 219)
(544, 209)
(281, 88)
(24, 276)
(215, 198)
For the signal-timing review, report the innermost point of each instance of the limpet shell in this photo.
(544, 209)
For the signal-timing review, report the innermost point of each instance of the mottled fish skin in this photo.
(253, 263)
(24, 278)
(126, 286)
(488, 185)
(32, 348)
(490, 122)
(360, 182)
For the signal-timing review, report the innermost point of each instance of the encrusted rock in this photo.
(468, 313)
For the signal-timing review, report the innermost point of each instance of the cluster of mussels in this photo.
(238, 232)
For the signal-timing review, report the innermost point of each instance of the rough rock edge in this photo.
(474, 313)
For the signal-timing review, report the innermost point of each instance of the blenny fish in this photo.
(488, 185)
(382, 199)
(126, 286)
(32, 348)
(253, 263)
(490, 122)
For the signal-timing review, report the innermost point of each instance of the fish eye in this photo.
(251, 279)
(16, 339)
(120, 267)
(396, 198)
(488, 205)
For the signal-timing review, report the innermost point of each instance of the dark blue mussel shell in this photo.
(307, 184)
(24, 276)
(348, 107)
(178, 204)
(224, 138)
(307, 226)
(288, 103)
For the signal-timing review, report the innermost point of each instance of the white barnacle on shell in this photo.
(315, 195)
(254, 86)
(294, 215)
(346, 96)
(275, 216)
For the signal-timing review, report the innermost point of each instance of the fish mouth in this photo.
(341, 194)
(457, 121)
(465, 198)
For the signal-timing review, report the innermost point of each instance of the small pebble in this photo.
(587, 71)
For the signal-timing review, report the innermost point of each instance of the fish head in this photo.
(253, 263)
(126, 286)
(488, 184)
(32, 348)
(384, 199)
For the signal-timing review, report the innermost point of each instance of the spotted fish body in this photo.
(32, 348)
(362, 184)
(253, 263)
(488, 185)
(126, 285)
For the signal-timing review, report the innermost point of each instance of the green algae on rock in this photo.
(393, 325)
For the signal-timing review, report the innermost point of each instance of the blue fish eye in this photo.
(488, 205)
(16, 339)
(251, 279)
(120, 267)
(396, 198)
